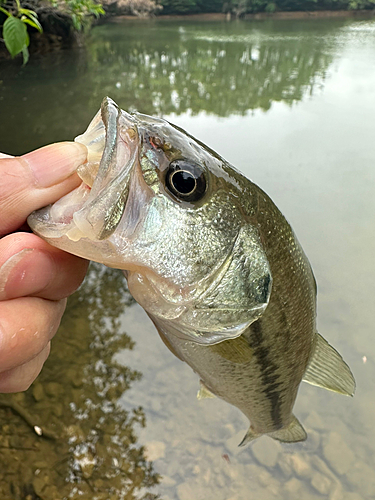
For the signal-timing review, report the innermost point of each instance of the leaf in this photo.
(76, 22)
(15, 35)
(34, 23)
(28, 12)
(25, 54)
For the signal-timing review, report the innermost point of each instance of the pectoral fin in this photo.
(327, 369)
(235, 350)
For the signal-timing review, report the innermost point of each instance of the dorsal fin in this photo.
(327, 369)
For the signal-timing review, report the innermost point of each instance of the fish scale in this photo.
(210, 258)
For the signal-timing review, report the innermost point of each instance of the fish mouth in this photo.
(112, 142)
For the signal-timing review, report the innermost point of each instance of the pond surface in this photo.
(292, 105)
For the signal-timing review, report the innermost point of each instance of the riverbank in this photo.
(297, 15)
(59, 32)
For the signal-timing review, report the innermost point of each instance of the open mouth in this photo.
(94, 209)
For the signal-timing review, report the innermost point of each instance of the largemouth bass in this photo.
(210, 258)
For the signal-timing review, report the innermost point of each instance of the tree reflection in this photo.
(88, 449)
(221, 71)
(161, 68)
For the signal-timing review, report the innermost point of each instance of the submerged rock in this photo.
(321, 483)
(338, 454)
(266, 452)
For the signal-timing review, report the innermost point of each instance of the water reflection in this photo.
(316, 160)
(163, 68)
(196, 70)
(89, 444)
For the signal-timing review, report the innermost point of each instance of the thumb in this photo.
(36, 179)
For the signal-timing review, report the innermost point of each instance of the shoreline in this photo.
(51, 42)
(218, 16)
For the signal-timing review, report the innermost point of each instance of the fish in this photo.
(209, 257)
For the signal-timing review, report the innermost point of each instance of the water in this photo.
(291, 104)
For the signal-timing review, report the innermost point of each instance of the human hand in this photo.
(35, 278)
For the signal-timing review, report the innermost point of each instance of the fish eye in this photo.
(186, 180)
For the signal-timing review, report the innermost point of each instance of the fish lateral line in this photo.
(210, 258)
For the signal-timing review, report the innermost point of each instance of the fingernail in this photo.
(8, 266)
(25, 273)
(55, 162)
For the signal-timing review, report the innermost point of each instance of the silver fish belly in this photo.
(209, 257)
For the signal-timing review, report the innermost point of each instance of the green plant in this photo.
(361, 4)
(15, 35)
(270, 7)
(179, 6)
(81, 11)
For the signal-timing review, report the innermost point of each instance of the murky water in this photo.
(292, 105)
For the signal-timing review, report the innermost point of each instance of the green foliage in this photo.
(241, 7)
(361, 4)
(304, 5)
(270, 7)
(179, 6)
(257, 5)
(209, 5)
(81, 12)
(18, 19)
(15, 35)
(308, 5)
